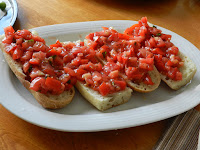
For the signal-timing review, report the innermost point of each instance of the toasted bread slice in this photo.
(104, 102)
(188, 71)
(46, 100)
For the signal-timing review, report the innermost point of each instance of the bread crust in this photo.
(46, 100)
(188, 71)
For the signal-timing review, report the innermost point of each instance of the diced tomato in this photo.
(166, 37)
(129, 31)
(37, 38)
(169, 63)
(69, 71)
(39, 46)
(104, 89)
(8, 39)
(64, 78)
(160, 42)
(57, 44)
(96, 76)
(79, 73)
(25, 34)
(73, 80)
(58, 60)
(133, 73)
(26, 67)
(123, 36)
(36, 73)
(9, 33)
(27, 44)
(148, 80)
(90, 36)
(173, 50)
(67, 58)
(120, 84)
(149, 61)
(158, 51)
(17, 53)
(54, 85)
(19, 41)
(172, 73)
(9, 30)
(114, 74)
(34, 61)
(10, 48)
(178, 76)
(48, 69)
(132, 62)
(26, 56)
(38, 85)
(109, 66)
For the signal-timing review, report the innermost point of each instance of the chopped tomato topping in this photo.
(56, 68)
(104, 88)
(54, 85)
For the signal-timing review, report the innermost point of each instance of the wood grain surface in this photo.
(180, 16)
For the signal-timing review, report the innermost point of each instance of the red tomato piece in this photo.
(48, 69)
(38, 85)
(36, 73)
(25, 34)
(17, 53)
(158, 51)
(69, 71)
(26, 67)
(54, 85)
(39, 46)
(148, 80)
(120, 84)
(9, 30)
(26, 56)
(37, 38)
(104, 89)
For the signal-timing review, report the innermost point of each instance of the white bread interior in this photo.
(104, 102)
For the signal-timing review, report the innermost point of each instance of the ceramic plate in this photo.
(81, 115)
(11, 14)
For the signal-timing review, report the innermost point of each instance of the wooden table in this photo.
(180, 16)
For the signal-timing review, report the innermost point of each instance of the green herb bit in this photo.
(104, 54)
(158, 34)
(50, 62)
(113, 83)
(30, 68)
(2, 6)
(69, 81)
(46, 76)
(31, 40)
(54, 56)
(154, 26)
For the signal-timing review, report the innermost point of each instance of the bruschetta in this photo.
(136, 64)
(175, 68)
(100, 84)
(28, 57)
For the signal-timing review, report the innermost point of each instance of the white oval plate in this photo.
(11, 14)
(81, 115)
